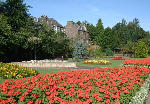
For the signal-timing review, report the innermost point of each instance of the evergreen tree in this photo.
(80, 50)
(99, 32)
(92, 32)
(108, 39)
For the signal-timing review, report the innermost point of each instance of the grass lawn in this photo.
(45, 71)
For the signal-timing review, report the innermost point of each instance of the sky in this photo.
(110, 11)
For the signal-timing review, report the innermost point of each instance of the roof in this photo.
(50, 20)
(80, 27)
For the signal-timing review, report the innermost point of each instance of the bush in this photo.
(80, 50)
(109, 52)
(141, 50)
(95, 51)
(9, 70)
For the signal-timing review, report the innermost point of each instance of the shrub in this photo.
(80, 50)
(141, 50)
(9, 70)
(109, 52)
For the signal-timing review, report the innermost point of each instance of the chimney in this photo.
(69, 22)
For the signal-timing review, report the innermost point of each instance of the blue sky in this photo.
(110, 11)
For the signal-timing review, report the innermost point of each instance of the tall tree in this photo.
(17, 13)
(21, 28)
(108, 39)
(5, 34)
(100, 32)
(92, 31)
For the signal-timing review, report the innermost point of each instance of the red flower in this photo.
(30, 102)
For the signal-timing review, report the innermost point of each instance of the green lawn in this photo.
(45, 71)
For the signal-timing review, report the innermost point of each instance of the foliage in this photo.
(101, 62)
(100, 32)
(146, 40)
(16, 11)
(141, 50)
(8, 70)
(17, 22)
(129, 48)
(5, 33)
(109, 52)
(108, 85)
(92, 32)
(80, 50)
(108, 39)
(95, 51)
(125, 32)
(17, 28)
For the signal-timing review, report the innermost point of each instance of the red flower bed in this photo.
(143, 62)
(97, 86)
(118, 58)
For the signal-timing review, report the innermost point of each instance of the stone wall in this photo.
(47, 64)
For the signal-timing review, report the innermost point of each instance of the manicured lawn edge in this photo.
(141, 95)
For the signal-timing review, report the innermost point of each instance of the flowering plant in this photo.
(97, 86)
(102, 62)
(9, 70)
(141, 62)
(118, 58)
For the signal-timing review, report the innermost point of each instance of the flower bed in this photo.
(141, 62)
(101, 62)
(97, 86)
(8, 70)
(118, 58)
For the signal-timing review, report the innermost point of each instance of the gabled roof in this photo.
(80, 27)
(50, 20)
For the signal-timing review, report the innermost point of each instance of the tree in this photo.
(92, 31)
(129, 48)
(100, 32)
(146, 40)
(16, 11)
(80, 50)
(141, 50)
(121, 33)
(79, 23)
(108, 39)
(5, 34)
(20, 23)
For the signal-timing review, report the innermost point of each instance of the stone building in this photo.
(74, 31)
(52, 23)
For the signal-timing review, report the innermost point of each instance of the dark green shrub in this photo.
(80, 50)
(141, 50)
(109, 52)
